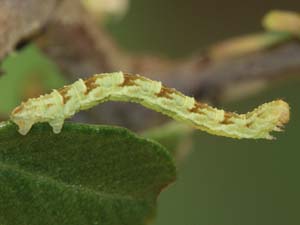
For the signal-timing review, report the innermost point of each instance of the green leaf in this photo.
(85, 175)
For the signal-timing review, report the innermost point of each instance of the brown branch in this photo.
(266, 66)
(21, 19)
(82, 48)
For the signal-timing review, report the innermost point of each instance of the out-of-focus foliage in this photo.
(27, 73)
(283, 21)
(240, 46)
(222, 181)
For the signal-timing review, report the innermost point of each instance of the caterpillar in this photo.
(60, 104)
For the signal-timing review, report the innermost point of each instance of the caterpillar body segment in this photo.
(55, 107)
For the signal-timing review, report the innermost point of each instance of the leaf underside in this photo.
(84, 175)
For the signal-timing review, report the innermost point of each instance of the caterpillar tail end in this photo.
(279, 115)
(284, 114)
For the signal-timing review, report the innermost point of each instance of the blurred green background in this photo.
(222, 181)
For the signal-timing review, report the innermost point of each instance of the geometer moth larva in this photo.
(55, 107)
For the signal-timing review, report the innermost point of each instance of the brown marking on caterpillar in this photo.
(166, 92)
(129, 80)
(18, 109)
(49, 105)
(248, 125)
(63, 92)
(227, 117)
(197, 107)
(90, 84)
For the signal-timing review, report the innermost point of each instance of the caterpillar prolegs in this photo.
(55, 107)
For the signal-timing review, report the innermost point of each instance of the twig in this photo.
(21, 19)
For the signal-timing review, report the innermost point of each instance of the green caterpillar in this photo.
(55, 107)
